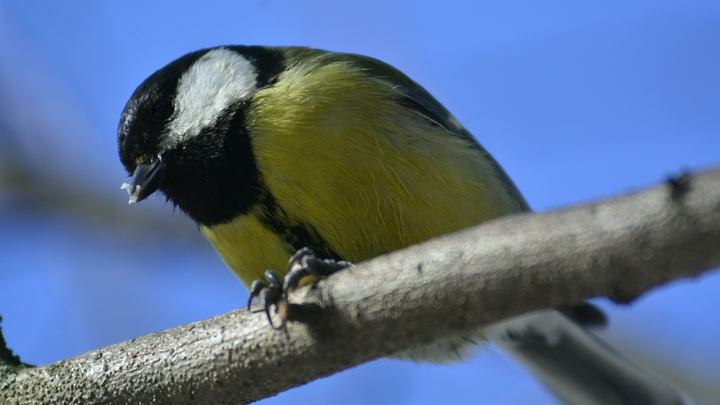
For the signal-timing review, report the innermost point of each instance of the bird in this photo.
(295, 162)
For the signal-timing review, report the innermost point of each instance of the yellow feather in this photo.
(248, 247)
(337, 152)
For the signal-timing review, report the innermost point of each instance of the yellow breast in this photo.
(338, 153)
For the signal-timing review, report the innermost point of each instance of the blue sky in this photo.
(577, 100)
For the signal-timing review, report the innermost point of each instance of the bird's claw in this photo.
(302, 264)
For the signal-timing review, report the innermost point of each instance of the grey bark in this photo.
(617, 248)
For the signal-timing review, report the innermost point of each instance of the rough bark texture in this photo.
(618, 248)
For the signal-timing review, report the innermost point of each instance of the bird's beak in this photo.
(145, 180)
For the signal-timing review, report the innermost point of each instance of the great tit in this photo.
(275, 150)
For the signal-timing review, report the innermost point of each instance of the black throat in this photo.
(213, 176)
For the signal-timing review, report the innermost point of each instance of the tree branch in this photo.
(617, 248)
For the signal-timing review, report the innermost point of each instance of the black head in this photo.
(183, 132)
(149, 112)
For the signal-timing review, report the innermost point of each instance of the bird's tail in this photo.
(575, 365)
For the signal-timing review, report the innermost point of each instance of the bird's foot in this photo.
(302, 268)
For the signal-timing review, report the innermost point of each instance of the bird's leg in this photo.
(302, 268)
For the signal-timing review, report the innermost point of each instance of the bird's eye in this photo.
(163, 110)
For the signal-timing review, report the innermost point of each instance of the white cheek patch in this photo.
(217, 79)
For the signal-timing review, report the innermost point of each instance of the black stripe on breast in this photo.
(298, 235)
